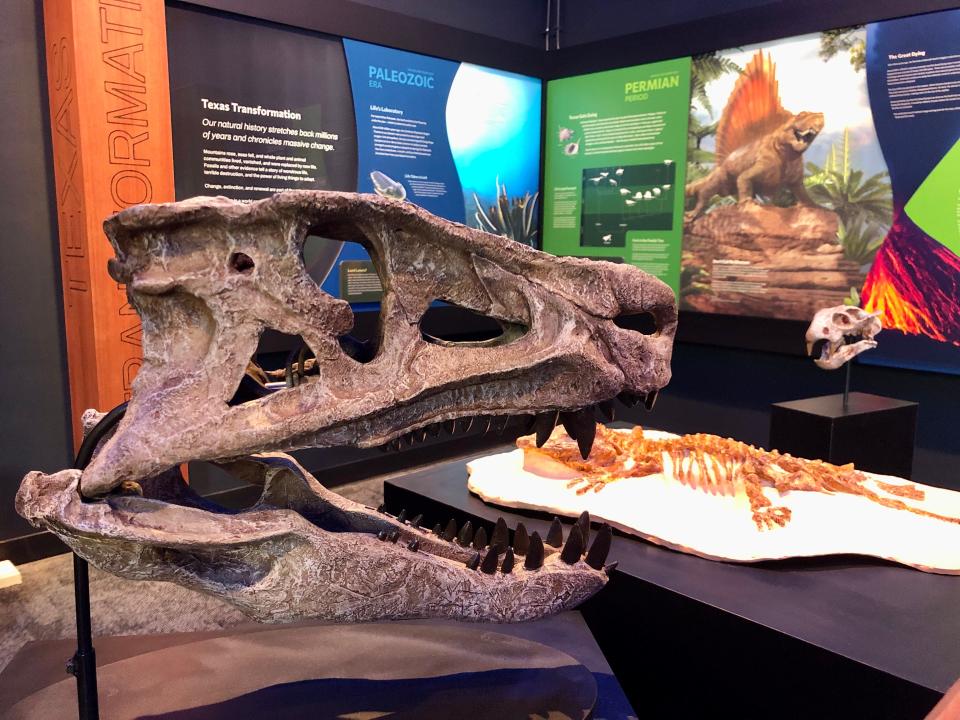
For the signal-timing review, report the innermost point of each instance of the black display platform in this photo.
(407, 669)
(875, 433)
(832, 637)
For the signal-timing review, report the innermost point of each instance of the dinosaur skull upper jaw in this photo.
(203, 313)
(841, 333)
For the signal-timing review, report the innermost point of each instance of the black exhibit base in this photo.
(875, 433)
(404, 669)
(689, 637)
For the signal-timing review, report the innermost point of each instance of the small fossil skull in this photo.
(841, 333)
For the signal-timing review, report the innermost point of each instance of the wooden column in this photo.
(110, 121)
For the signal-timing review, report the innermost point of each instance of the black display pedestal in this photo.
(874, 432)
(836, 637)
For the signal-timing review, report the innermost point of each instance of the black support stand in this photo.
(875, 433)
(83, 664)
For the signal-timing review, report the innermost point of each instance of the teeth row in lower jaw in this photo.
(579, 424)
(533, 548)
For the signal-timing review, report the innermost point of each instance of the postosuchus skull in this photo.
(208, 275)
(836, 329)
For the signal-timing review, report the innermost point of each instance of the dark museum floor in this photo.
(41, 607)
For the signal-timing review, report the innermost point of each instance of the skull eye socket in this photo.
(841, 319)
(450, 325)
(642, 322)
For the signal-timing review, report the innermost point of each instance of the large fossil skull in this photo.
(208, 275)
(838, 334)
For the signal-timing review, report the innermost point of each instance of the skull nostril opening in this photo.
(643, 322)
(241, 263)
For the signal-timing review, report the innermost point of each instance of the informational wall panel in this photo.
(110, 120)
(615, 149)
(259, 108)
(807, 172)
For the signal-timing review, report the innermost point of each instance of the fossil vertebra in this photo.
(209, 275)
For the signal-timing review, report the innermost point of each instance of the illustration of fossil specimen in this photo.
(209, 275)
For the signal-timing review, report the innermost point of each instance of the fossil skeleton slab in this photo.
(841, 333)
(209, 275)
(725, 500)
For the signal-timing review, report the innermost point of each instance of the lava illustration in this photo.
(914, 283)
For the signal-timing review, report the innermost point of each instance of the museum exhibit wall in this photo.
(35, 425)
(724, 390)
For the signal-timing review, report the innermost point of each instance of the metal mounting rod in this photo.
(83, 664)
(846, 389)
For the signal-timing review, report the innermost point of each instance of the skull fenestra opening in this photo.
(209, 275)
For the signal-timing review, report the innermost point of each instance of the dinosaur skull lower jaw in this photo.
(209, 275)
(304, 551)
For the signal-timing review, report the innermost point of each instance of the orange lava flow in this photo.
(914, 284)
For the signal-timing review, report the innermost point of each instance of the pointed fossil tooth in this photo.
(402, 517)
(394, 536)
(421, 434)
(417, 520)
(381, 507)
(490, 562)
(413, 545)
(438, 530)
(573, 549)
(521, 541)
(597, 555)
(605, 410)
(501, 534)
(382, 535)
(394, 445)
(534, 557)
(584, 429)
(583, 522)
(474, 562)
(480, 539)
(451, 530)
(466, 534)
(408, 439)
(555, 534)
(651, 399)
(484, 423)
(611, 567)
(544, 426)
(450, 426)
(465, 424)
(508, 561)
